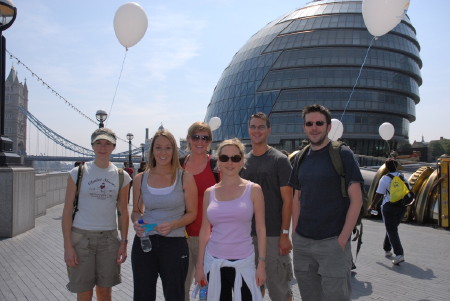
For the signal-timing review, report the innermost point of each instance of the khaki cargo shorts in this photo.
(97, 260)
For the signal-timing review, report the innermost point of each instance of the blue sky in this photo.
(170, 75)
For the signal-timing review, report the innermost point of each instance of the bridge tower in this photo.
(16, 94)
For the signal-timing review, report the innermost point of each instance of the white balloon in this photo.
(130, 24)
(386, 131)
(381, 16)
(214, 123)
(337, 129)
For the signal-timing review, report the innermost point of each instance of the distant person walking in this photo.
(130, 171)
(93, 250)
(392, 212)
(323, 218)
(142, 166)
(271, 169)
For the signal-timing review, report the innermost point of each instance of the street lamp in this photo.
(101, 117)
(142, 149)
(8, 13)
(129, 137)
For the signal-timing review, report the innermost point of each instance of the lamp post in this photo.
(142, 149)
(101, 117)
(8, 13)
(130, 137)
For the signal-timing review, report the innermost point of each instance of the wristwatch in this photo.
(283, 231)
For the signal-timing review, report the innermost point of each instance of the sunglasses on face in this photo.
(311, 123)
(225, 158)
(205, 138)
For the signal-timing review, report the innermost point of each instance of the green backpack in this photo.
(336, 159)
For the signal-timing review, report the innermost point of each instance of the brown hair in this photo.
(196, 127)
(175, 163)
(262, 116)
(317, 108)
(234, 142)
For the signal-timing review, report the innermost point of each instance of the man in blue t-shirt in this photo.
(322, 217)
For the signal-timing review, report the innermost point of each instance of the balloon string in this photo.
(389, 148)
(117, 86)
(356, 82)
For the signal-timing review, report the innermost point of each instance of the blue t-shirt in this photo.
(323, 208)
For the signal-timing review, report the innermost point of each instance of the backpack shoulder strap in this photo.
(121, 177)
(298, 158)
(120, 170)
(392, 177)
(336, 159)
(77, 191)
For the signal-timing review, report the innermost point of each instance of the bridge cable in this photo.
(39, 79)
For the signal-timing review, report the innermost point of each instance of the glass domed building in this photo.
(314, 55)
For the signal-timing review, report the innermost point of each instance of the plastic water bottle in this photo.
(203, 294)
(146, 244)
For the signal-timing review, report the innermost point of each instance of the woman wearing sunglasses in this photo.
(200, 164)
(166, 196)
(226, 253)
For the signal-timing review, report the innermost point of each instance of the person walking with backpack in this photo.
(323, 218)
(202, 166)
(93, 250)
(271, 169)
(392, 212)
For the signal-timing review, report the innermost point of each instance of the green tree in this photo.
(437, 149)
(446, 145)
(404, 148)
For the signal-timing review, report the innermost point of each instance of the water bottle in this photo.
(203, 294)
(146, 244)
(373, 212)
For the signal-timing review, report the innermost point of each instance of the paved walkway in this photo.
(32, 266)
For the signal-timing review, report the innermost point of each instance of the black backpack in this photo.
(336, 159)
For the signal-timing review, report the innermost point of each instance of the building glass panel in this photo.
(314, 55)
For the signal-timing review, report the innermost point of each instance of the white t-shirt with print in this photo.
(98, 197)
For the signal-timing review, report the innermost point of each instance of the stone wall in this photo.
(50, 190)
(25, 195)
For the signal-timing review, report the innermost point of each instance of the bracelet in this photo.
(262, 258)
(124, 240)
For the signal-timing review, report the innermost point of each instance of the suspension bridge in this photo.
(79, 153)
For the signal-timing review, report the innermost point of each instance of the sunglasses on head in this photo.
(225, 158)
(311, 123)
(205, 138)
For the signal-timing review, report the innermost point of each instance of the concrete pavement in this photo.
(32, 265)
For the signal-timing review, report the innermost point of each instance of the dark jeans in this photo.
(392, 216)
(168, 259)
(227, 275)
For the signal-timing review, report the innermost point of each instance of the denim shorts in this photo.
(97, 260)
